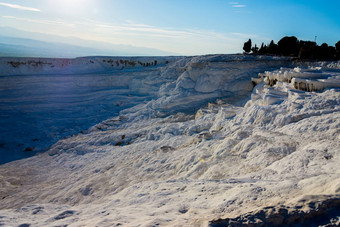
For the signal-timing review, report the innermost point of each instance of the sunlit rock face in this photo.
(266, 154)
(305, 78)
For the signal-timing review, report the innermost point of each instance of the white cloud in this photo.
(49, 22)
(183, 41)
(14, 6)
(137, 29)
(239, 6)
(244, 35)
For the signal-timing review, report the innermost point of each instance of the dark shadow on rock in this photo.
(64, 214)
(321, 213)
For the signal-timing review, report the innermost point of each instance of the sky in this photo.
(185, 27)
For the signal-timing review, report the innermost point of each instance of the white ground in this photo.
(156, 164)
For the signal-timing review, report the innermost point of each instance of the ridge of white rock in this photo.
(149, 166)
(307, 79)
(43, 100)
(81, 65)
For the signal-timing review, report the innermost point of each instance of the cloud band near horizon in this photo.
(19, 7)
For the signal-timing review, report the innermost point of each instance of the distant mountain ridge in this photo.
(17, 43)
(18, 47)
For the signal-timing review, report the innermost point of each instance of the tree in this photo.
(307, 49)
(337, 46)
(272, 48)
(247, 46)
(263, 49)
(325, 52)
(289, 46)
(255, 49)
(337, 49)
(262, 46)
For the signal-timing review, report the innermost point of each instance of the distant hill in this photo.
(18, 47)
(17, 43)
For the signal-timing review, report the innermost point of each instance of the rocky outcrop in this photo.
(300, 78)
(308, 212)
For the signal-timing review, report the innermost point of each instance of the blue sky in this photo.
(186, 27)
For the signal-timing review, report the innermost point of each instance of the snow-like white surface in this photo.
(44, 100)
(159, 164)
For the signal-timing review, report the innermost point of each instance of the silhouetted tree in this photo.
(272, 48)
(255, 49)
(321, 51)
(332, 52)
(262, 46)
(247, 46)
(289, 46)
(307, 49)
(263, 49)
(337, 48)
(307, 44)
(325, 52)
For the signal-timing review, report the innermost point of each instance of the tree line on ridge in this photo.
(291, 46)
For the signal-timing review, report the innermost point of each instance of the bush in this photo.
(289, 46)
(247, 46)
(337, 49)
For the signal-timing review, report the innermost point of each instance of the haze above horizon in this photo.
(184, 27)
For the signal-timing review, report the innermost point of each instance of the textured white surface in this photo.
(44, 100)
(146, 167)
